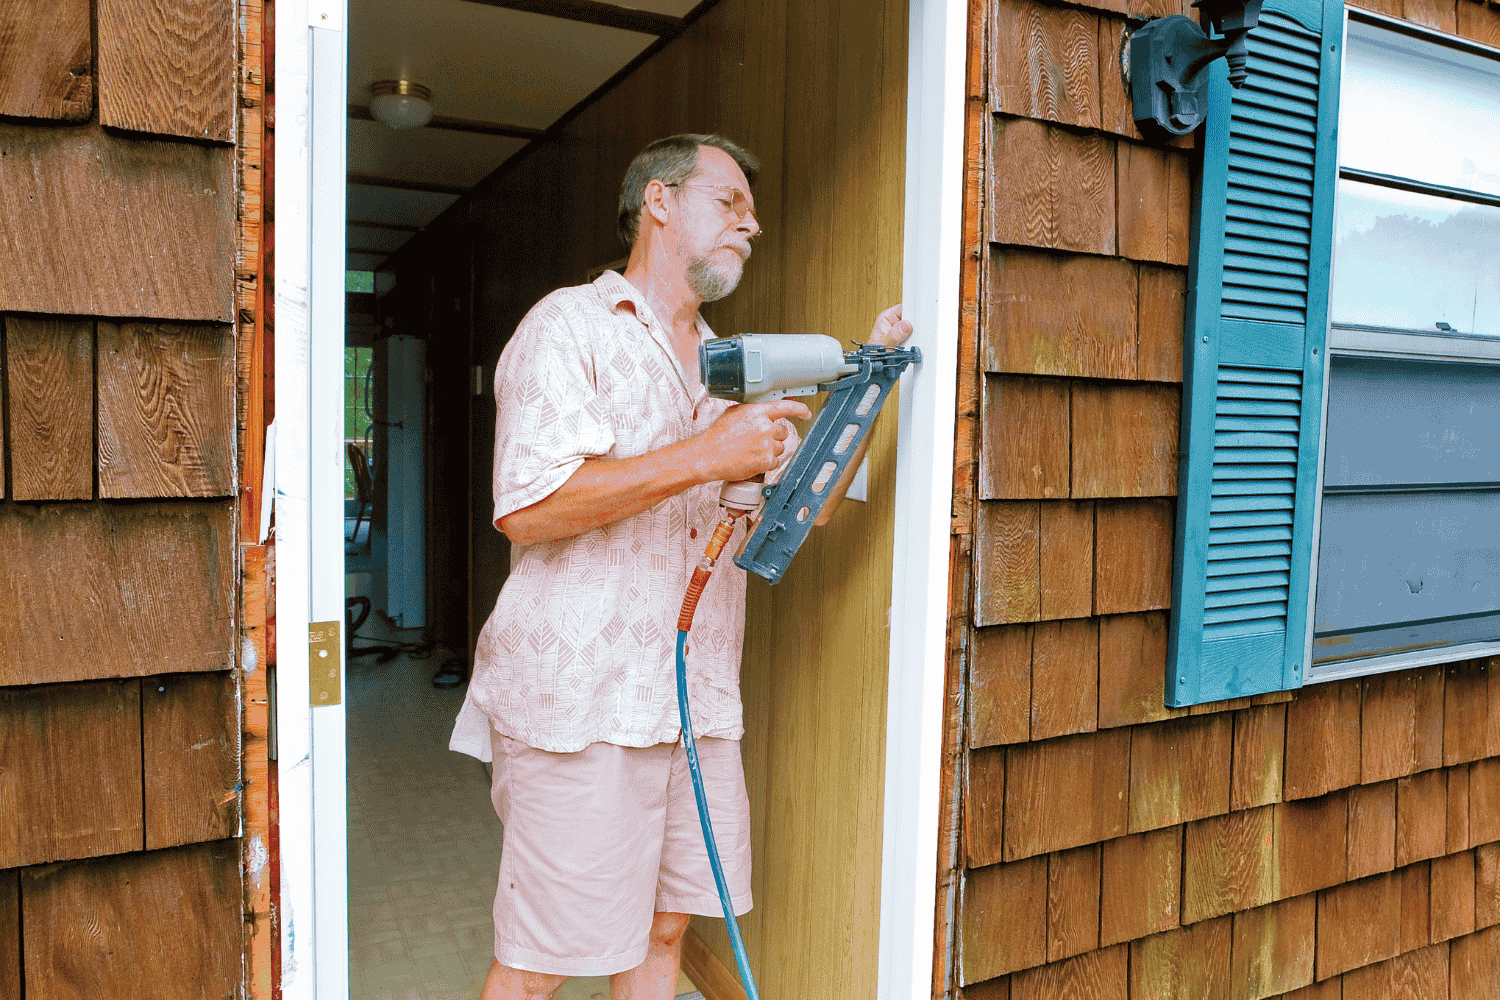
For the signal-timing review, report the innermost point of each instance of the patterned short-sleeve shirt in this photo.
(580, 647)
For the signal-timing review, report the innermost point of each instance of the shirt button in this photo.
(692, 532)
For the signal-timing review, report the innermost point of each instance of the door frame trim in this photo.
(311, 47)
(937, 54)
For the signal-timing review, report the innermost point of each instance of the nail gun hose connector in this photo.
(704, 570)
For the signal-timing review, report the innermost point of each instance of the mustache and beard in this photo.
(712, 278)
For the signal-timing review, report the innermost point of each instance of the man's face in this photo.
(710, 234)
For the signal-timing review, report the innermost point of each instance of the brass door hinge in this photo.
(324, 655)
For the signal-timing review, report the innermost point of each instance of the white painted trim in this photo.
(293, 718)
(329, 121)
(1400, 661)
(1412, 346)
(1317, 527)
(932, 256)
(309, 209)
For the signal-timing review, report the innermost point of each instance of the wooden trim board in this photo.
(711, 976)
(606, 15)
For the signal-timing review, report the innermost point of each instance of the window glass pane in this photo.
(1407, 422)
(1415, 262)
(1409, 547)
(1405, 571)
(359, 281)
(1419, 110)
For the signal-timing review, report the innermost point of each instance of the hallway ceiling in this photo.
(501, 72)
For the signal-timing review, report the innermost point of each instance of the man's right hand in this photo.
(747, 439)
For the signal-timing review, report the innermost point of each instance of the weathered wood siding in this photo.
(1339, 841)
(121, 783)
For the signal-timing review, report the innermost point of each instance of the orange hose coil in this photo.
(704, 570)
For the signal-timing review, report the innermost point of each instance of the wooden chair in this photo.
(364, 488)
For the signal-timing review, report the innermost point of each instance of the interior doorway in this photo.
(423, 564)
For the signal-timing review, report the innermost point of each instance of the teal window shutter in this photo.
(1257, 314)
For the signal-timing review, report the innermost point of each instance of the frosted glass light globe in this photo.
(400, 103)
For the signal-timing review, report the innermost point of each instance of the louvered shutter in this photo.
(1253, 368)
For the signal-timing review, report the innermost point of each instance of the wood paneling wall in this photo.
(164, 421)
(51, 384)
(71, 785)
(190, 752)
(1341, 840)
(166, 410)
(120, 771)
(168, 69)
(817, 91)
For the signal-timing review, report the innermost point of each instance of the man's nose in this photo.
(749, 225)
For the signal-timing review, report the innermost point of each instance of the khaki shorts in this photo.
(599, 840)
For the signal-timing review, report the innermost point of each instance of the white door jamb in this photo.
(933, 244)
(309, 210)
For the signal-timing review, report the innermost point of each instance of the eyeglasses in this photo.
(733, 202)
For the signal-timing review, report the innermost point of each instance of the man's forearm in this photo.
(745, 440)
(602, 491)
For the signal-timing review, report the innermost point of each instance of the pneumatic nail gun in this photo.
(756, 368)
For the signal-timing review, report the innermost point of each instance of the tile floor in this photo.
(424, 843)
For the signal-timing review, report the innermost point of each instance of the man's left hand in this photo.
(890, 330)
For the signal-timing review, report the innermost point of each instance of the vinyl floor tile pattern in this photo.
(424, 843)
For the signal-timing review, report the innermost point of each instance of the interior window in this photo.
(1408, 562)
(358, 418)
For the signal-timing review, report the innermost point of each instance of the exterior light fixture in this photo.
(1168, 60)
(400, 103)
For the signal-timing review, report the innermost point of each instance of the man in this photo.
(609, 456)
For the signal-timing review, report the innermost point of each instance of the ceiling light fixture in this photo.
(400, 103)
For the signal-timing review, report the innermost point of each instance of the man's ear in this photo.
(657, 202)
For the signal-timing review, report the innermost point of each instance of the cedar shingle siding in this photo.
(122, 157)
(1338, 841)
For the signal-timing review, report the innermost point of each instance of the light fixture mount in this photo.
(400, 103)
(1168, 57)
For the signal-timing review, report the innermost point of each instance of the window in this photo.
(1345, 238)
(1408, 560)
(358, 419)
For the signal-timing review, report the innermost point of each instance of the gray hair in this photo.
(671, 160)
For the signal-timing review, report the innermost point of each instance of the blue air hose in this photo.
(740, 958)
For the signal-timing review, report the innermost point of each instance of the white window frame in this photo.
(1351, 341)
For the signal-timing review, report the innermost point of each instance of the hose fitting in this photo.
(705, 568)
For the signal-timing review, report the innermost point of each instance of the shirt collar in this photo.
(615, 290)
